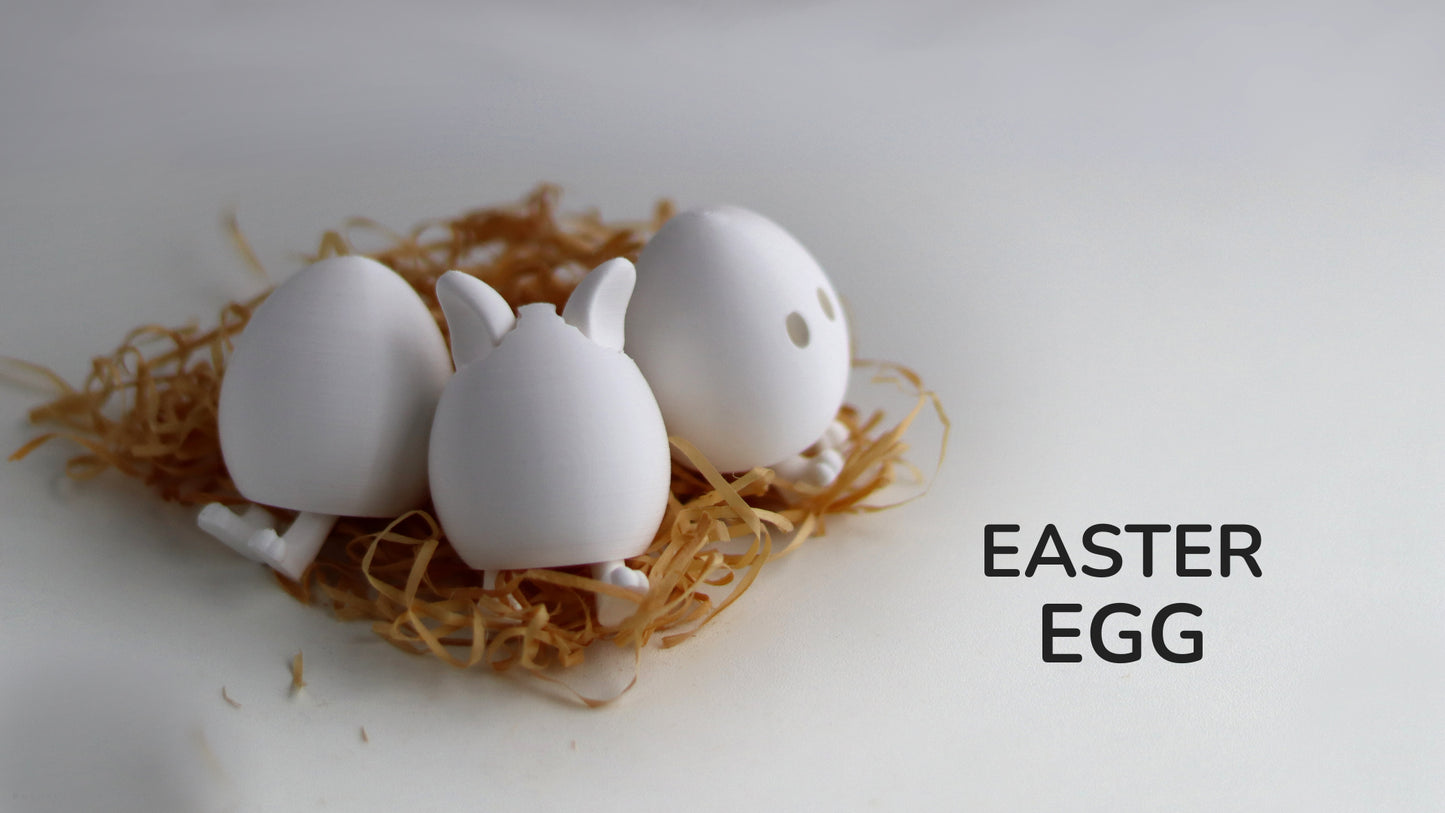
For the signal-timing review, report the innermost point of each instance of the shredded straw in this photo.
(148, 410)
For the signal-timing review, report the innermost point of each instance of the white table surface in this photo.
(1176, 266)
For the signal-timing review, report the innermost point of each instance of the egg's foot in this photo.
(292, 552)
(821, 464)
(266, 547)
(818, 470)
(613, 610)
(489, 582)
(825, 468)
(257, 516)
(233, 529)
(834, 436)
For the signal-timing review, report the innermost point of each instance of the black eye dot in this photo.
(827, 304)
(798, 329)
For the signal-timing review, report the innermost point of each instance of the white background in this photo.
(1166, 265)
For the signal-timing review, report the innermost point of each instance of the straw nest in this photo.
(148, 410)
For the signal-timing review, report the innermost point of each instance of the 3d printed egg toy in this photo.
(744, 342)
(548, 448)
(326, 408)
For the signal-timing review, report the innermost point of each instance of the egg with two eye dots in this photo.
(744, 341)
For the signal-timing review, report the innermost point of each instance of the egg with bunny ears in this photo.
(326, 406)
(548, 448)
(744, 342)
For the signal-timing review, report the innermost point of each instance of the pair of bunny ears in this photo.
(478, 317)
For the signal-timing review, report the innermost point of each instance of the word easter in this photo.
(1107, 544)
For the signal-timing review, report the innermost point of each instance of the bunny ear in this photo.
(477, 316)
(598, 307)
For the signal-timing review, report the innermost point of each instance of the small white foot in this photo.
(489, 582)
(235, 531)
(612, 610)
(819, 470)
(834, 436)
(267, 546)
(292, 552)
(258, 517)
(822, 467)
(251, 535)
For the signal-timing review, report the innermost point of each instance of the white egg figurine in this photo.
(326, 408)
(548, 448)
(744, 342)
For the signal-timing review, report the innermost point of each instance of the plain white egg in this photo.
(327, 401)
